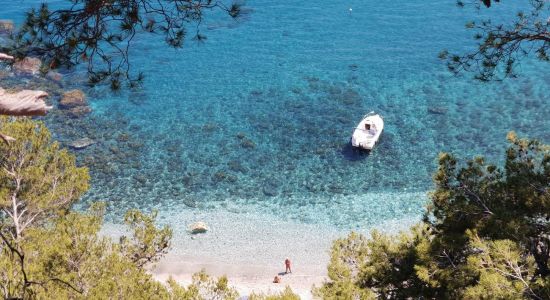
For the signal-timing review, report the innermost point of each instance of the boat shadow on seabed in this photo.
(353, 153)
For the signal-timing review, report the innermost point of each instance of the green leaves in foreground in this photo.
(71, 253)
(148, 243)
(203, 287)
(286, 294)
(485, 236)
(37, 177)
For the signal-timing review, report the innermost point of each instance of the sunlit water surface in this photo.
(258, 118)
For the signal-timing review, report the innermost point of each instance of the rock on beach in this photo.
(198, 227)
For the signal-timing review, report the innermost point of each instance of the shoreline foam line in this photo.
(250, 248)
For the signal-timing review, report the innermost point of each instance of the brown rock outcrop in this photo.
(4, 56)
(73, 98)
(27, 66)
(23, 103)
(74, 103)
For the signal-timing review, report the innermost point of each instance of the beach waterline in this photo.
(250, 249)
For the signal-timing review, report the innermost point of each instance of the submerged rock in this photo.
(437, 110)
(198, 227)
(247, 144)
(190, 202)
(219, 176)
(236, 166)
(54, 76)
(270, 191)
(140, 178)
(27, 66)
(73, 99)
(79, 111)
(271, 188)
(82, 143)
(4, 74)
(74, 103)
(210, 127)
(6, 26)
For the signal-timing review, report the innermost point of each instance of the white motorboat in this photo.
(368, 131)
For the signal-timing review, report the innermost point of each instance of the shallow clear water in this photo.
(259, 117)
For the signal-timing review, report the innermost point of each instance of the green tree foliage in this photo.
(286, 294)
(48, 251)
(503, 270)
(348, 256)
(203, 287)
(37, 178)
(485, 236)
(99, 33)
(69, 259)
(502, 46)
(148, 243)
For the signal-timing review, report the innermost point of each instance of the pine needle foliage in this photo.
(100, 33)
(486, 235)
(502, 46)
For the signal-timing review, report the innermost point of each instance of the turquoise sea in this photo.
(258, 118)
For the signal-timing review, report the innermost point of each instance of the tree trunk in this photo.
(541, 253)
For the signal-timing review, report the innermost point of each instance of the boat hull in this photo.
(367, 139)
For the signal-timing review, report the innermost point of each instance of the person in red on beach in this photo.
(287, 265)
